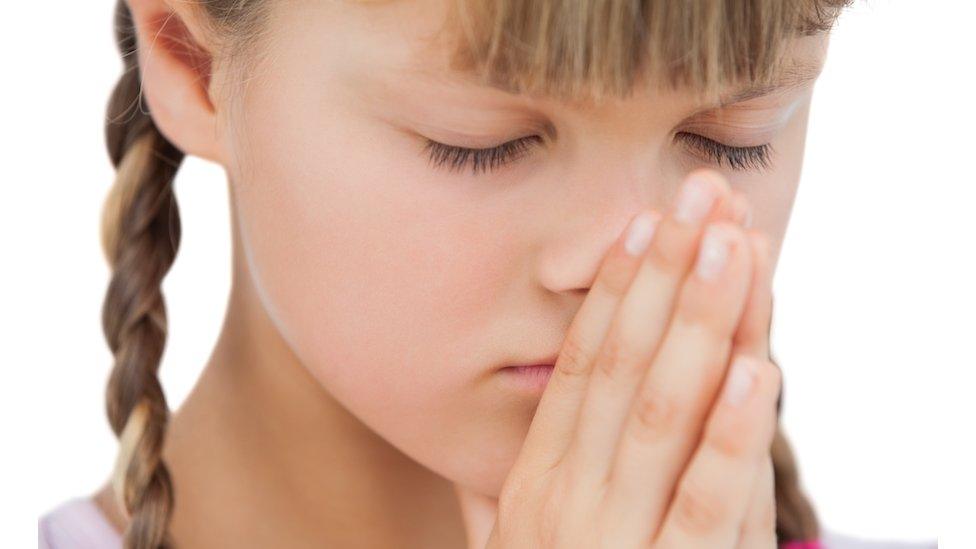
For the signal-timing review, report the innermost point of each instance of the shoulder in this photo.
(76, 523)
(836, 540)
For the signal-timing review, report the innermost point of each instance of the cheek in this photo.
(379, 279)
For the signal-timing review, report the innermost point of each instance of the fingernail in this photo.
(639, 233)
(695, 201)
(740, 380)
(713, 254)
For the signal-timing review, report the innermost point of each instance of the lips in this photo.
(532, 376)
(531, 379)
(533, 368)
(548, 361)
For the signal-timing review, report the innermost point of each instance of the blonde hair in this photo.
(560, 48)
(591, 50)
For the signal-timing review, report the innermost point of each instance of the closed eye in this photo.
(756, 158)
(456, 158)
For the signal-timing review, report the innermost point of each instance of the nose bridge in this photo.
(616, 174)
(616, 164)
(611, 179)
(617, 150)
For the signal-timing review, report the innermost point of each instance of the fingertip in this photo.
(720, 185)
(761, 244)
(741, 211)
(713, 175)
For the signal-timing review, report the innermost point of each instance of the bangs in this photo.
(573, 50)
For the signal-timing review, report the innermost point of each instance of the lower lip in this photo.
(529, 378)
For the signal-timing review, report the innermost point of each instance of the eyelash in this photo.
(483, 159)
(738, 158)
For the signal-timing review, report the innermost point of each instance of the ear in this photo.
(175, 67)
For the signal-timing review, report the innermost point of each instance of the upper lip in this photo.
(544, 361)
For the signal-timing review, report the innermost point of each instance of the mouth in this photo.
(532, 379)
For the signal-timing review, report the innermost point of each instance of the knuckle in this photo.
(616, 351)
(728, 443)
(656, 414)
(697, 510)
(573, 360)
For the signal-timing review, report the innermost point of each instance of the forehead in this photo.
(419, 41)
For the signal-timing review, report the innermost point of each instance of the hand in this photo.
(630, 446)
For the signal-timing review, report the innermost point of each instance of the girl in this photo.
(501, 274)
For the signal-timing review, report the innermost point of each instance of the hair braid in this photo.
(796, 519)
(140, 237)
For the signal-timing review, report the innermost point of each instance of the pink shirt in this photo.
(79, 524)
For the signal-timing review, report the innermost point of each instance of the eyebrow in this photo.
(795, 75)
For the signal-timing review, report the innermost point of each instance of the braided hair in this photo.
(140, 235)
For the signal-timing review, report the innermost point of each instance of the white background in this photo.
(873, 325)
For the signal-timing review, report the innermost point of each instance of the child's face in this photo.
(404, 287)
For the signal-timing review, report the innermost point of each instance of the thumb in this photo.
(479, 512)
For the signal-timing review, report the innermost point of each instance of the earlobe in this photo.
(175, 72)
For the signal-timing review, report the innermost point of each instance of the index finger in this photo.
(555, 417)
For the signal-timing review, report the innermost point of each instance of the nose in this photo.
(577, 241)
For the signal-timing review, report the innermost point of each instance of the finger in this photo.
(733, 207)
(668, 413)
(758, 530)
(741, 210)
(639, 324)
(752, 338)
(555, 417)
(711, 499)
(752, 335)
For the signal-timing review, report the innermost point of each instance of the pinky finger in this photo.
(711, 500)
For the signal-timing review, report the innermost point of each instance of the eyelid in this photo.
(763, 122)
(465, 142)
(485, 137)
(734, 135)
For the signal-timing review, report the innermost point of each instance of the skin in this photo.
(355, 382)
